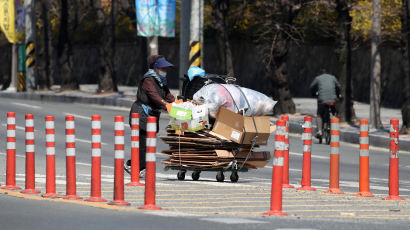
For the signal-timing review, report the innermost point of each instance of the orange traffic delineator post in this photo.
(307, 152)
(11, 152)
(334, 157)
(364, 185)
(150, 170)
(277, 171)
(50, 159)
(394, 162)
(119, 162)
(135, 149)
(96, 160)
(285, 182)
(71, 187)
(30, 157)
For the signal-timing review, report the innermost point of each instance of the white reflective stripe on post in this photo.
(306, 136)
(307, 124)
(11, 145)
(119, 140)
(392, 130)
(334, 126)
(49, 124)
(334, 138)
(119, 154)
(135, 133)
(11, 133)
(29, 123)
(150, 157)
(29, 135)
(364, 140)
(29, 148)
(11, 120)
(119, 126)
(278, 161)
(70, 151)
(280, 145)
(364, 152)
(96, 152)
(151, 127)
(50, 151)
(151, 142)
(280, 130)
(334, 150)
(135, 144)
(69, 125)
(364, 128)
(50, 138)
(95, 138)
(307, 148)
(135, 121)
(70, 138)
(96, 124)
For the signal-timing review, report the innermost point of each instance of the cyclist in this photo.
(327, 89)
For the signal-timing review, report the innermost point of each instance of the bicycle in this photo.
(330, 108)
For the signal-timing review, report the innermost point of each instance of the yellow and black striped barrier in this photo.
(30, 55)
(194, 53)
(21, 86)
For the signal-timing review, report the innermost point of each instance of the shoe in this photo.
(127, 167)
(318, 134)
(142, 173)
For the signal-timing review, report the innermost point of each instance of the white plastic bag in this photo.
(234, 98)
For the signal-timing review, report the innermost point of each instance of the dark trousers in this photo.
(143, 148)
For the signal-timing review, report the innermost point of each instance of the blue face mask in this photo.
(163, 76)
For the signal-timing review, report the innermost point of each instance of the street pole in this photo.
(14, 63)
(30, 19)
(195, 34)
(184, 39)
(152, 45)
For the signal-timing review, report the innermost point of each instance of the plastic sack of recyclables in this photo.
(231, 97)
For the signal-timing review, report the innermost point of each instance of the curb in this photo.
(118, 100)
(353, 137)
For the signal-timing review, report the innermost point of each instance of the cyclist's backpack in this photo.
(189, 88)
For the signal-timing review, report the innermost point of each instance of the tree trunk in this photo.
(375, 81)
(344, 50)
(220, 9)
(44, 75)
(405, 110)
(65, 52)
(277, 70)
(107, 77)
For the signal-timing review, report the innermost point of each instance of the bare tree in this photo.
(405, 110)
(375, 81)
(344, 53)
(65, 51)
(275, 37)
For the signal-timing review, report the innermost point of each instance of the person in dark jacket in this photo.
(327, 89)
(152, 96)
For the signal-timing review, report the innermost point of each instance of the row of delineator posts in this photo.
(71, 193)
(280, 177)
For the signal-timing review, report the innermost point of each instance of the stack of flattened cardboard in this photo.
(202, 150)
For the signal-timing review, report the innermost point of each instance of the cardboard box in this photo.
(241, 129)
(190, 120)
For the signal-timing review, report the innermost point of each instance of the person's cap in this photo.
(161, 63)
(195, 71)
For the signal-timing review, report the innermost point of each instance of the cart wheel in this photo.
(220, 177)
(234, 177)
(195, 175)
(181, 175)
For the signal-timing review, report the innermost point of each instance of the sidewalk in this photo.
(304, 107)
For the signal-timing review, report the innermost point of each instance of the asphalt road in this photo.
(219, 205)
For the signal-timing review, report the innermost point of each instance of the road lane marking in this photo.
(26, 105)
(78, 116)
(87, 141)
(233, 220)
(312, 156)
